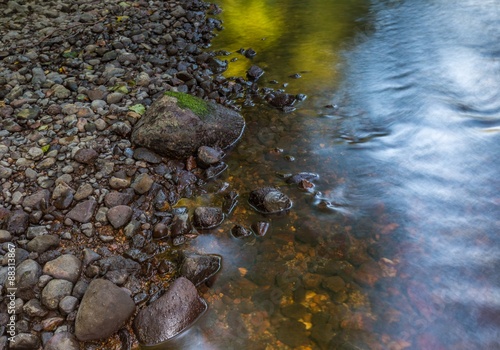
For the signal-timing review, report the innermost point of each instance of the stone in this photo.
(86, 156)
(114, 198)
(34, 309)
(41, 244)
(62, 341)
(269, 200)
(142, 183)
(104, 310)
(35, 200)
(5, 173)
(207, 217)
(118, 183)
(54, 292)
(68, 304)
(18, 222)
(170, 314)
(83, 212)
(239, 231)
(208, 156)
(25, 341)
(67, 267)
(5, 236)
(83, 191)
(27, 274)
(119, 216)
(254, 73)
(60, 91)
(199, 268)
(146, 155)
(177, 125)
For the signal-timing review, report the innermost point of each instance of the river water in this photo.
(397, 245)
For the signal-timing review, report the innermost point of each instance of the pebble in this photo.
(54, 292)
(83, 211)
(67, 267)
(119, 215)
(142, 183)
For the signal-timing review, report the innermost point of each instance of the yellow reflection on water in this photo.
(290, 37)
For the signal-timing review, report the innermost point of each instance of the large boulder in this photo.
(177, 124)
(169, 315)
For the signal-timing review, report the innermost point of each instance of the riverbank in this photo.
(78, 202)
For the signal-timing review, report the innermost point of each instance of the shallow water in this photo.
(397, 245)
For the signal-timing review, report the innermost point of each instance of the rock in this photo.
(67, 267)
(62, 341)
(104, 310)
(176, 125)
(146, 155)
(43, 243)
(119, 216)
(115, 198)
(334, 283)
(83, 191)
(18, 222)
(293, 333)
(169, 315)
(68, 304)
(297, 178)
(180, 225)
(27, 274)
(83, 212)
(34, 309)
(207, 217)
(239, 231)
(60, 91)
(5, 173)
(260, 228)
(5, 236)
(118, 183)
(142, 183)
(86, 156)
(269, 200)
(54, 292)
(25, 341)
(199, 268)
(254, 73)
(37, 200)
(208, 156)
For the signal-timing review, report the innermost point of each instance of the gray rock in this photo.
(5, 236)
(27, 274)
(25, 341)
(34, 309)
(207, 217)
(54, 292)
(199, 268)
(60, 91)
(47, 163)
(67, 267)
(62, 341)
(169, 315)
(170, 128)
(41, 244)
(5, 173)
(83, 191)
(104, 310)
(18, 222)
(38, 76)
(142, 183)
(146, 155)
(115, 198)
(114, 97)
(119, 216)
(68, 304)
(36, 231)
(86, 156)
(269, 200)
(83, 212)
(208, 156)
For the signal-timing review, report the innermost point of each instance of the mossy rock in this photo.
(177, 124)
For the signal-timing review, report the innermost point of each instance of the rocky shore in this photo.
(88, 225)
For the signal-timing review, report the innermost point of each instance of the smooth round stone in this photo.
(119, 215)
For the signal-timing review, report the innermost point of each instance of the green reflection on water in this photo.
(290, 37)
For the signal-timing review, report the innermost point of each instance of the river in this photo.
(397, 245)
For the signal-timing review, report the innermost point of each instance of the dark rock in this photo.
(216, 65)
(281, 100)
(43, 243)
(115, 198)
(25, 341)
(89, 256)
(83, 212)
(27, 274)
(169, 315)
(180, 225)
(260, 228)
(119, 216)
(269, 200)
(207, 217)
(118, 262)
(250, 53)
(254, 73)
(86, 156)
(62, 341)
(142, 183)
(160, 231)
(34, 309)
(104, 310)
(146, 155)
(64, 200)
(208, 156)
(230, 201)
(297, 178)
(171, 128)
(67, 267)
(199, 268)
(54, 291)
(239, 231)
(18, 222)
(292, 333)
(215, 170)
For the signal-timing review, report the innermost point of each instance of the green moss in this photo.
(195, 104)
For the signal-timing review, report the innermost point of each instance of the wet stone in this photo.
(66, 267)
(54, 292)
(207, 217)
(334, 283)
(254, 73)
(239, 231)
(260, 228)
(83, 212)
(169, 315)
(269, 200)
(208, 156)
(104, 310)
(292, 333)
(119, 215)
(199, 268)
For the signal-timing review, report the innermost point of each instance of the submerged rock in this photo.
(239, 231)
(104, 310)
(177, 124)
(169, 315)
(269, 200)
(199, 268)
(207, 217)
